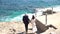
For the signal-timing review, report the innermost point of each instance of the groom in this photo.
(26, 22)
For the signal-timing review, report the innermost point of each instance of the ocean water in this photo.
(13, 10)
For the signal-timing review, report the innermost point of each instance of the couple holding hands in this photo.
(26, 21)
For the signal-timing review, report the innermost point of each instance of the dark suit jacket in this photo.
(25, 19)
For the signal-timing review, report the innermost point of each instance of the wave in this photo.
(5, 19)
(55, 8)
(38, 12)
(19, 18)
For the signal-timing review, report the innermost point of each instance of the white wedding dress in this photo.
(34, 29)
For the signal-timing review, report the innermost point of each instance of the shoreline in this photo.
(55, 8)
(38, 11)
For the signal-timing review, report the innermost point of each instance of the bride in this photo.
(34, 29)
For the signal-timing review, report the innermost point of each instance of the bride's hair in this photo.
(33, 17)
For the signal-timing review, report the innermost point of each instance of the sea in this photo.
(13, 10)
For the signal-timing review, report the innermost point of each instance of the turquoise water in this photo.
(10, 9)
(7, 15)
